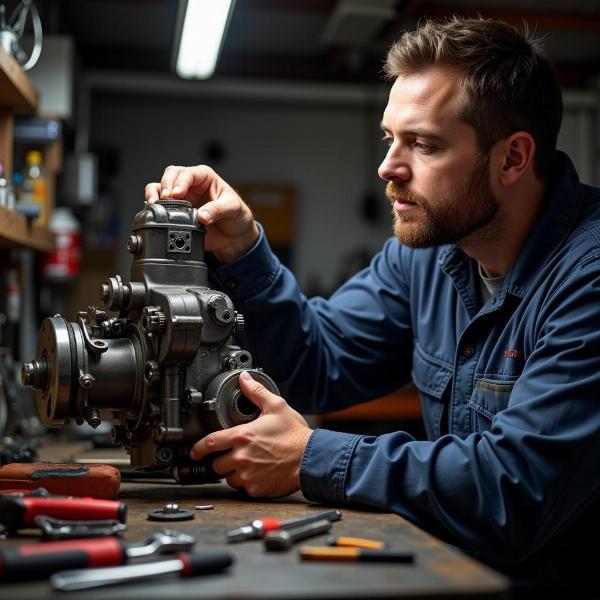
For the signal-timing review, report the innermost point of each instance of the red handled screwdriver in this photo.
(38, 561)
(19, 512)
(259, 527)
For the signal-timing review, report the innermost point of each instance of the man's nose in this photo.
(393, 168)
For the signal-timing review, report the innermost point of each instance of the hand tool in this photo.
(186, 565)
(354, 554)
(19, 512)
(59, 529)
(38, 561)
(284, 539)
(259, 527)
(97, 481)
(170, 512)
(354, 542)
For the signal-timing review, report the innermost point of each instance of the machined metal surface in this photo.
(159, 360)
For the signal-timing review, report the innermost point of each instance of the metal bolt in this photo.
(133, 244)
(35, 374)
(94, 421)
(86, 380)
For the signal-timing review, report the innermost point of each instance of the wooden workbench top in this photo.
(438, 572)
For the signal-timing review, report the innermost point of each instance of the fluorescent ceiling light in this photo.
(202, 34)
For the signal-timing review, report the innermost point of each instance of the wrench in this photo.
(38, 561)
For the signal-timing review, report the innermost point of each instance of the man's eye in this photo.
(389, 140)
(425, 148)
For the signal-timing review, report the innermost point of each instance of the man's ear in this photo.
(517, 154)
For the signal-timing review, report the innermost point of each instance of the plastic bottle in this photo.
(34, 185)
(63, 264)
(13, 293)
(4, 187)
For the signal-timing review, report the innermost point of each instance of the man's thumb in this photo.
(256, 392)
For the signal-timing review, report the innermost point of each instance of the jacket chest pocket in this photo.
(432, 377)
(489, 397)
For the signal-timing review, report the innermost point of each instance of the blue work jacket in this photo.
(510, 389)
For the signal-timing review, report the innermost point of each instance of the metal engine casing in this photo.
(165, 370)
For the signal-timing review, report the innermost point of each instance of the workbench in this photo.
(439, 571)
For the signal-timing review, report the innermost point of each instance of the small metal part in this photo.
(171, 512)
(162, 542)
(284, 539)
(153, 319)
(247, 532)
(204, 506)
(134, 244)
(59, 529)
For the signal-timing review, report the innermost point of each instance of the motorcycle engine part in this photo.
(171, 512)
(164, 368)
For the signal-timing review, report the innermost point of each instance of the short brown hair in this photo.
(508, 81)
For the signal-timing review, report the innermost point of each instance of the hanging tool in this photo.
(186, 565)
(284, 539)
(38, 561)
(260, 527)
(19, 512)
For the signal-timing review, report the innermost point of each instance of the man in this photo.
(488, 296)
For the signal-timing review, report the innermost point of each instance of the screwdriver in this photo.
(184, 564)
(38, 561)
(19, 512)
(259, 527)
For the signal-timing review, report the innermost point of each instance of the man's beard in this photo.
(454, 216)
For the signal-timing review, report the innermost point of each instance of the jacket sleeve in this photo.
(324, 354)
(502, 493)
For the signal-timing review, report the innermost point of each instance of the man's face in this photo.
(438, 184)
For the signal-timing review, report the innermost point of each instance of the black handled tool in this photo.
(38, 561)
(286, 538)
(185, 565)
(354, 554)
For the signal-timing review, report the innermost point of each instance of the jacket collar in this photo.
(562, 204)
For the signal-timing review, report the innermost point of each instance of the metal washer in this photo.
(171, 512)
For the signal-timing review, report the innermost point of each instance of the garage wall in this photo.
(321, 150)
(329, 152)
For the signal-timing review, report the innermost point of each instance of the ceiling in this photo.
(334, 40)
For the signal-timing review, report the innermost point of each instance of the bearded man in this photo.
(488, 297)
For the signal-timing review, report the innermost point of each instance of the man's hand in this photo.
(231, 229)
(263, 456)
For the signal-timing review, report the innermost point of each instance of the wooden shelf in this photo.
(16, 89)
(17, 232)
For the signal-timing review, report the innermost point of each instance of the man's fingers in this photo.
(176, 181)
(167, 182)
(226, 206)
(152, 192)
(213, 442)
(258, 394)
(222, 465)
